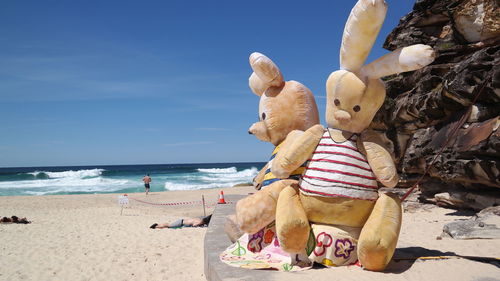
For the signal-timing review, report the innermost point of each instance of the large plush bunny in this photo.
(284, 107)
(338, 190)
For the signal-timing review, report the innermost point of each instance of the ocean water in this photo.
(123, 179)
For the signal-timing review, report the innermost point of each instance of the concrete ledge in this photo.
(408, 250)
(217, 241)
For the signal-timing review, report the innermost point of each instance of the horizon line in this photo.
(108, 165)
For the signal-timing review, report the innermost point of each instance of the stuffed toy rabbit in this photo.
(337, 195)
(284, 107)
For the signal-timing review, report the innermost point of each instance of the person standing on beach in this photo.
(146, 180)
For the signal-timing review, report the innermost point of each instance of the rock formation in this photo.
(424, 106)
(483, 226)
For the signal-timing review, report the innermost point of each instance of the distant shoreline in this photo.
(125, 165)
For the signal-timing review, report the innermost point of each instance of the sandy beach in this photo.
(84, 237)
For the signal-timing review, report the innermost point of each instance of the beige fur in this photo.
(296, 227)
(284, 107)
(360, 33)
(379, 235)
(299, 146)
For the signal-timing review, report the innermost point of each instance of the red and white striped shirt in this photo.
(339, 170)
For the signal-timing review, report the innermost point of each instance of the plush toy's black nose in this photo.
(250, 133)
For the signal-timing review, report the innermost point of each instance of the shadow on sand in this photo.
(404, 258)
(466, 213)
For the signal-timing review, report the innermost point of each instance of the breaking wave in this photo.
(211, 178)
(126, 179)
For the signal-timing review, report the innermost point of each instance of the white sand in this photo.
(83, 237)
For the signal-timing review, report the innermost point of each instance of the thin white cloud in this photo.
(211, 129)
(59, 79)
(188, 143)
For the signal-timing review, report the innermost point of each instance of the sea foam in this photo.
(211, 178)
(126, 179)
(70, 174)
(219, 170)
(89, 180)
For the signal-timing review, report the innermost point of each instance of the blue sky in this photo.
(153, 82)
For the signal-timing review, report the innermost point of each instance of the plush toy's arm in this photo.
(297, 148)
(379, 158)
(259, 178)
(401, 60)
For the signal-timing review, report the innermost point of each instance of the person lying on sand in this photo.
(14, 219)
(198, 221)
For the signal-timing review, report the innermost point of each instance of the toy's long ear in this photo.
(360, 33)
(257, 85)
(401, 60)
(266, 70)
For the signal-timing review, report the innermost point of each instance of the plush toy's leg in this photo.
(259, 209)
(292, 225)
(379, 236)
(231, 228)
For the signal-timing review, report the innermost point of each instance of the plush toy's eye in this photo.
(356, 108)
(263, 116)
(336, 102)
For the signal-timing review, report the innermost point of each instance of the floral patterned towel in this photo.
(335, 245)
(259, 251)
(327, 245)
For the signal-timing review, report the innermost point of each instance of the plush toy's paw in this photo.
(231, 228)
(297, 148)
(416, 56)
(316, 130)
(301, 260)
(401, 60)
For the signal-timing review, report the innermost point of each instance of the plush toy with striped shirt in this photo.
(336, 215)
